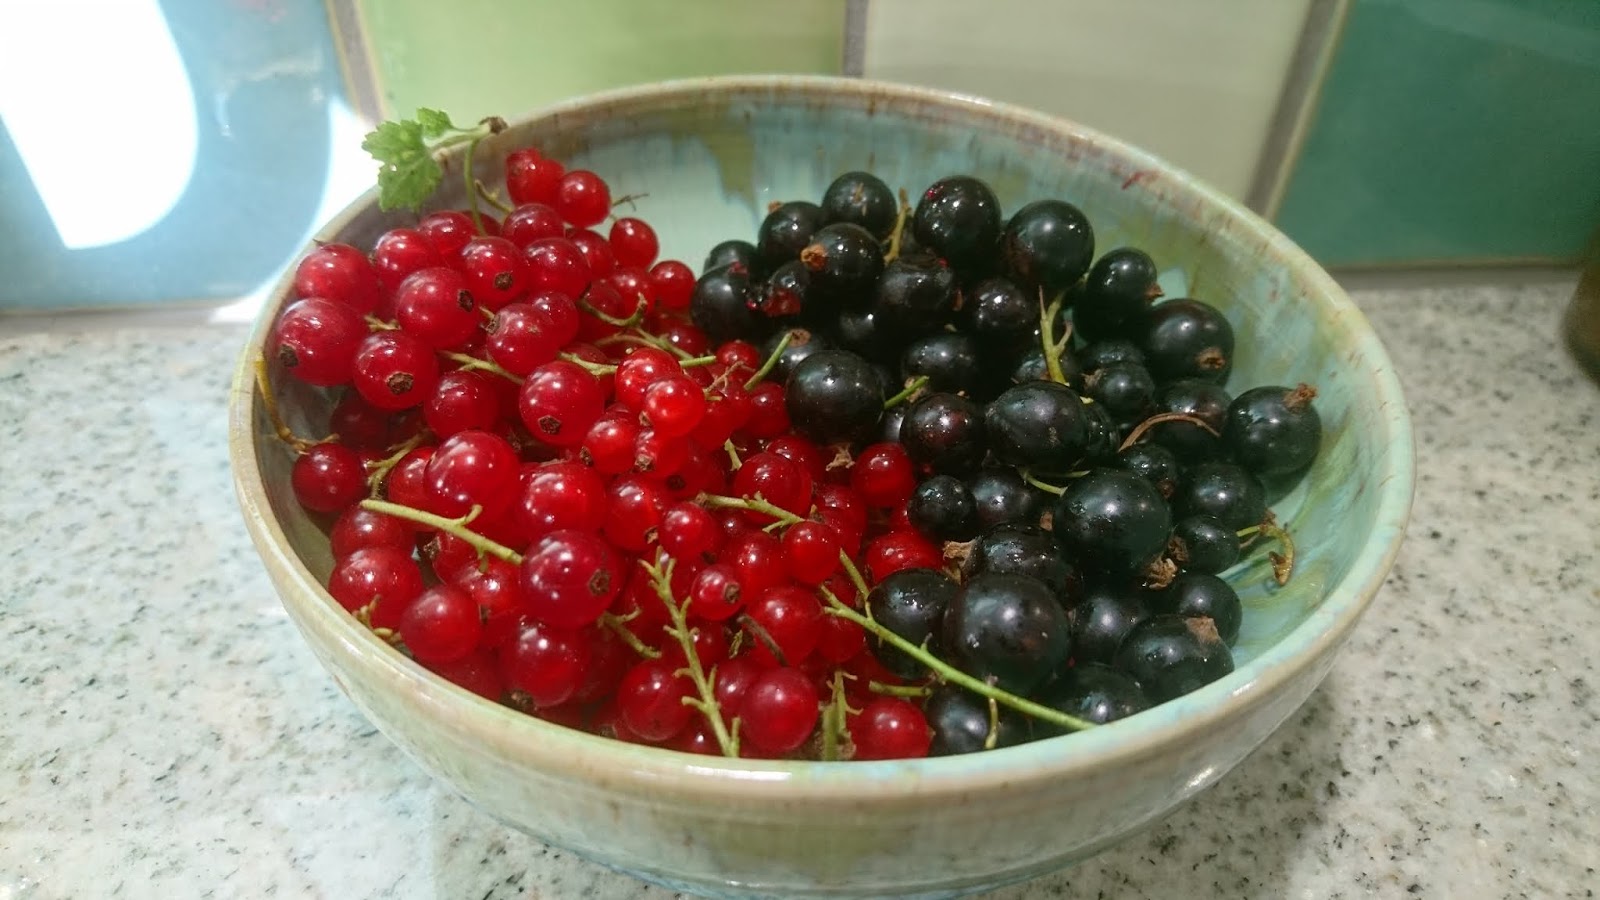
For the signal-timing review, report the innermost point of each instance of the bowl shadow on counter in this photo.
(1239, 839)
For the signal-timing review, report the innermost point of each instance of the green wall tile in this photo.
(480, 57)
(1454, 131)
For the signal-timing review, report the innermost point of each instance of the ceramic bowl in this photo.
(709, 156)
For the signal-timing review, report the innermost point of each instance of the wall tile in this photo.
(474, 58)
(1454, 131)
(1196, 83)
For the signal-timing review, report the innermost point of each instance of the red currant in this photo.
(448, 231)
(532, 178)
(359, 424)
(659, 456)
(545, 664)
(495, 586)
(559, 402)
(386, 578)
(650, 700)
(715, 595)
(839, 640)
(769, 416)
(689, 532)
(608, 446)
(462, 401)
(558, 314)
(596, 252)
(495, 271)
(633, 513)
(883, 475)
(739, 354)
(787, 619)
(776, 478)
(779, 711)
(441, 625)
(406, 483)
(890, 728)
(634, 242)
(435, 306)
(811, 552)
(358, 528)
(808, 455)
(473, 468)
(583, 198)
(674, 284)
(570, 578)
(674, 406)
(400, 252)
(556, 264)
(341, 273)
(639, 370)
(475, 672)
(757, 557)
(317, 339)
(562, 496)
(898, 550)
(328, 478)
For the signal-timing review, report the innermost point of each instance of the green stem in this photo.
(916, 384)
(455, 527)
(490, 197)
(948, 673)
(756, 504)
(593, 368)
(379, 470)
(771, 360)
(694, 362)
(1047, 337)
(618, 626)
(629, 322)
(644, 340)
(275, 416)
(834, 716)
(900, 217)
(661, 580)
(472, 363)
(733, 454)
(1041, 485)
(854, 574)
(914, 691)
(1282, 564)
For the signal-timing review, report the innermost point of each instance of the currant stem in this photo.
(645, 340)
(695, 362)
(991, 739)
(913, 691)
(378, 471)
(769, 362)
(834, 716)
(733, 454)
(472, 363)
(1047, 338)
(620, 629)
(491, 197)
(948, 673)
(630, 322)
(917, 384)
(275, 416)
(1143, 427)
(1041, 485)
(376, 324)
(757, 504)
(900, 217)
(661, 580)
(1282, 564)
(455, 527)
(854, 574)
(472, 194)
(593, 368)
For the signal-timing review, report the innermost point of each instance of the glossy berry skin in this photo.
(634, 242)
(1093, 692)
(811, 552)
(385, 578)
(786, 231)
(394, 370)
(883, 475)
(1204, 544)
(570, 578)
(1111, 520)
(462, 401)
(328, 478)
(519, 340)
(316, 340)
(340, 273)
(1194, 397)
(959, 720)
(557, 264)
(450, 229)
(1152, 462)
(673, 283)
(910, 603)
(674, 406)
(358, 528)
(778, 479)
(473, 468)
(944, 509)
(723, 305)
(1273, 430)
(1224, 491)
(890, 728)
(1006, 629)
(1001, 497)
(545, 665)
(531, 222)
(784, 293)
(785, 623)
(1116, 296)
(834, 396)
(494, 271)
(441, 625)
(731, 253)
(859, 330)
(845, 262)
(650, 700)
(1112, 351)
(1001, 317)
(559, 402)
(1104, 618)
(914, 294)
(944, 434)
(1171, 656)
(1048, 245)
(1019, 549)
(557, 315)
(634, 507)
(398, 253)
(582, 198)
(958, 218)
(1188, 339)
(779, 711)
(715, 595)
(1124, 389)
(561, 496)
(1039, 426)
(949, 360)
(1196, 595)
(861, 198)
(531, 177)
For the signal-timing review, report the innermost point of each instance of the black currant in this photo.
(859, 330)
(1001, 317)
(1040, 426)
(958, 218)
(1116, 295)
(730, 253)
(949, 359)
(1224, 491)
(1203, 544)
(1100, 354)
(803, 343)
(1191, 397)
(1104, 437)
(1094, 692)
(1103, 619)
(1198, 595)
(1111, 520)
(889, 428)
(1187, 339)
(944, 509)
(722, 305)
(1154, 463)
(1047, 245)
(1273, 430)
(960, 722)
(786, 231)
(1124, 389)
(1008, 630)
(845, 261)
(915, 294)
(1021, 549)
(912, 604)
(943, 434)
(1171, 656)
(834, 396)
(1002, 497)
(861, 198)
(783, 294)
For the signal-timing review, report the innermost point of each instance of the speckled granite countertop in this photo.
(166, 733)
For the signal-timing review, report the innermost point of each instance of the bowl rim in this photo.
(558, 750)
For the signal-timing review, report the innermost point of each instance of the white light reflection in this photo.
(110, 151)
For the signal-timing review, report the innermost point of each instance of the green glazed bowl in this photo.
(709, 156)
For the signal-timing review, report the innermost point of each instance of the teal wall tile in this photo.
(1454, 131)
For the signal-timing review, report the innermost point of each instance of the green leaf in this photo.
(434, 123)
(408, 173)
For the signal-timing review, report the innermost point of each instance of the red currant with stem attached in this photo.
(779, 711)
(328, 478)
(435, 306)
(634, 285)
(341, 273)
(359, 424)
(495, 587)
(685, 337)
(732, 682)
(659, 456)
(441, 625)
(739, 354)
(788, 616)
(674, 283)
(890, 728)
(633, 513)
(494, 270)
(544, 663)
(769, 417)
(726, 411)
(385, 576)
(589, 353)
(640, 369)
(583, 198)
(777, 479)
(448, 231)
(698, 738)
(556, 264)
(689, 532)
(476, 672)
(531, 222)
(839, 640)
(570, 578)
(609, 660)
(450, 557)
(634, 242)
(710, 642)
(715, 595)
(400, 252)
(518, 340)
(316, 340)
(559, 402)
(559, 314)
(358, 528)
(757, 557)
(596, 252)
(650, 700)
(407, 481)
(473, 468)
(608, 446)
(674, 406)
(883, 475)
(462, 401)
(531, 177)
(603, 297)
(849, 511)
(803, 452)
(889, 553)
(811, 552)
(562, 496)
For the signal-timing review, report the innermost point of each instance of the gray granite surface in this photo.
(166, 734)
